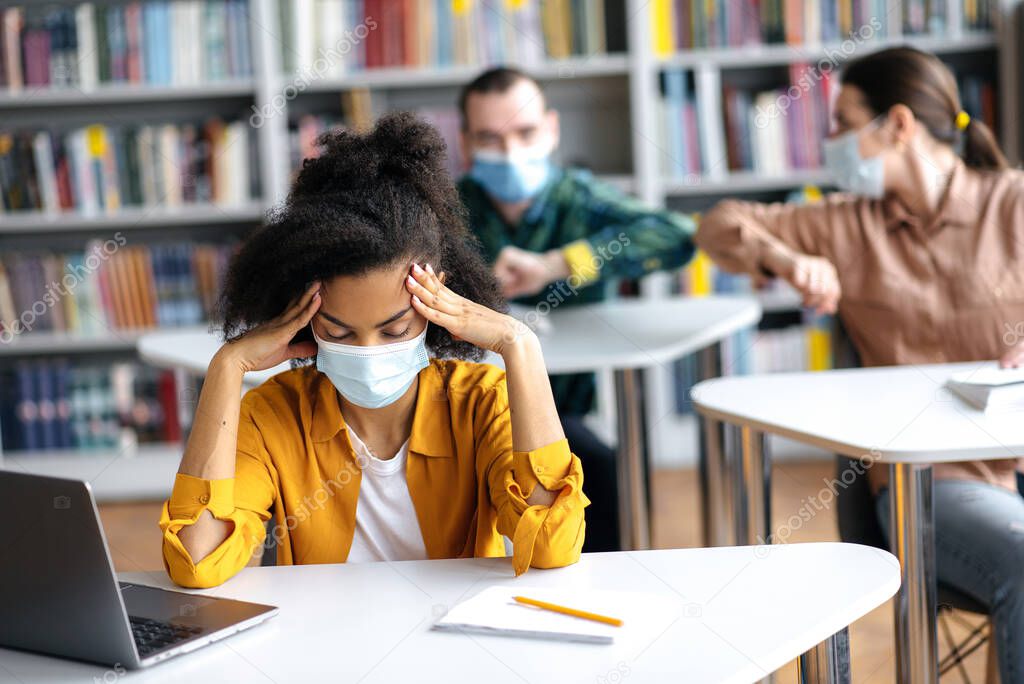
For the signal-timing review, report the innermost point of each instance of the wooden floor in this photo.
(135, 544)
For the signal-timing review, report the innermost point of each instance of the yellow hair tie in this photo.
(962, 119)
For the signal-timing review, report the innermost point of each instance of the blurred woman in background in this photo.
(923, 260)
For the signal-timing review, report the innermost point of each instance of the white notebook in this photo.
(493, 611)
(990, 388)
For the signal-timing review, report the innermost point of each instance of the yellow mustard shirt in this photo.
(295, 463)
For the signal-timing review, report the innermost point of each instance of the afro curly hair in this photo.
(369, 201)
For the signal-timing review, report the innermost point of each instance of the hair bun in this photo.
(400, 144)
(408, 145)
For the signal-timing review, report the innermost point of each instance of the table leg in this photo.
(715, 509)
(751, 478)
(828, 662)
(912, 536)
(634, 522)
(711, 455)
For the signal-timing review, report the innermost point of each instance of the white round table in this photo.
(721, 615)
(900, 416)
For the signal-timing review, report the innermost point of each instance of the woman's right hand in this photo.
(814, 277)
(269, 344)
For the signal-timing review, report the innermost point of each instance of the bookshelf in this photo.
(774, 55)
(112, 93)
(40, 343)
(572, 68)
(132, 217)
(611, 95)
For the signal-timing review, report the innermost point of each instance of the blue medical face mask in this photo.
(375, 376)
(849, 170)
(513, 177)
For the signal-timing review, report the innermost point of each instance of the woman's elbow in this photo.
(561, 545)
(183, 572)
(713, 225)
(214, 567)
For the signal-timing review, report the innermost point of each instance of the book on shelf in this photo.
(757, 134)
(679, 25)
(926, 16)
(768, 131)
(110, 287)
(978, 98)
(52, 404)
(98, 169)
(328, 38)
(693, 24)
(150, 42)
(804, 345)
(357, 112)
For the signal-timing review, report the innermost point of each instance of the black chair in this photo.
(269, 545)
(858, 524)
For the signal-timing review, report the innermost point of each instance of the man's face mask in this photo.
(514, 177)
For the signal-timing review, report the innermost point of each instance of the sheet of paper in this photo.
(493, 611)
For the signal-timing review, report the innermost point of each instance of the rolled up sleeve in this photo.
(243, 500)
(542, 536)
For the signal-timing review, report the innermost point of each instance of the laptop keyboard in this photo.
(153, 635)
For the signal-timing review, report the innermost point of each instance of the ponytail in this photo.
(979, 149)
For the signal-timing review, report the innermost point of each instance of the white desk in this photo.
(901, 416)
(623, 336)
(733, 615)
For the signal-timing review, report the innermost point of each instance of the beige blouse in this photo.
(945, 290)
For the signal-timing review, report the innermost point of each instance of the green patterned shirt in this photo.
(605, 236)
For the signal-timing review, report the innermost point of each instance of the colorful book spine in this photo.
(678, 25)
(110, 286)
(440, 33)
(99, 169)
(58, 404)
(142, 42)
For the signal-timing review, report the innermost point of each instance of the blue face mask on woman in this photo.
(513, 177)
(850, 171)
(375, 376)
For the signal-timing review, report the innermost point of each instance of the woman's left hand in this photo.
(465, 319)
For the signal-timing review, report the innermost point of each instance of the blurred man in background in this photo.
(561, 237)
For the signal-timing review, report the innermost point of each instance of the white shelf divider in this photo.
(426, 77)
(132, 217)
(123, 93)
(745, 181)
(782, 54)
(271, 104)
(46, 342)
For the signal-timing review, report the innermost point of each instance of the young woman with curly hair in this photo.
(376, 451)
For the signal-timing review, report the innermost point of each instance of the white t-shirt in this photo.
(386, 524)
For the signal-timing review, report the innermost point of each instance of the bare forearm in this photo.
(534, 417)
(210, 453)
(535, 420)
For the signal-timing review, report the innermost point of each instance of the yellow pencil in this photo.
(616, 622)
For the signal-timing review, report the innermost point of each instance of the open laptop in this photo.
(59, 594)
